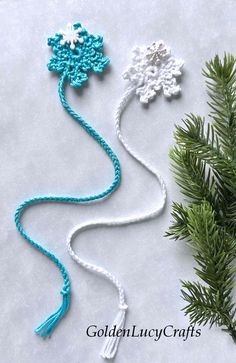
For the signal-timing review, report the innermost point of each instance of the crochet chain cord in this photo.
(111, 344)
(46, 328)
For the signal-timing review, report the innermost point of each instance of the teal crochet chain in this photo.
(76, 52)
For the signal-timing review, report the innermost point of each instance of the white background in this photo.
(43, 151)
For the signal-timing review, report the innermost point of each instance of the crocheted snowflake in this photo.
(154, 69)
(76, 52)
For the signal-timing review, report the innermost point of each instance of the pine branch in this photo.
(214, 252)
(204, 307)
(221, 79)
(204, 144)
(229, 218)
(214, 249)
(179, 229)
(193, 176)
(204, 164)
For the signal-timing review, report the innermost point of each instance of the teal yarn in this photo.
(73, 66)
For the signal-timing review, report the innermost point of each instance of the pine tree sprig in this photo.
(200, 139)
(204, 164)
(178, 230)
(221, 78)
(192, 175)
(204, 307)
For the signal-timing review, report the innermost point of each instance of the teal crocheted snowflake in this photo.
(76, 53)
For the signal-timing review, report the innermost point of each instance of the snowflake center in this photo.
(156, 52)
(71, 36)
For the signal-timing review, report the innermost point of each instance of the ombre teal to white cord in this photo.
(146, 78)
(72, 63)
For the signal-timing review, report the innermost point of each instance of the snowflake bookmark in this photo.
(76, 53)
(153, 69)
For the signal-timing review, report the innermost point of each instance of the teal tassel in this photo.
(47, 327)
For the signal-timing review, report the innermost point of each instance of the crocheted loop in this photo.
(154, 69)
(76, 52)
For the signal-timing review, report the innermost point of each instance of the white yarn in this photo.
(142, 85)
(111, 343)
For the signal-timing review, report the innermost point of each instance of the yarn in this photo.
(153, 69)
(73, 64)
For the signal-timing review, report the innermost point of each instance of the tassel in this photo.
(47, 327)
(110, 346)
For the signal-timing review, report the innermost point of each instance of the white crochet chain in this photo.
(153, 69)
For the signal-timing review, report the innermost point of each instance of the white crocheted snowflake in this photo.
(154, 69)
(71, 36)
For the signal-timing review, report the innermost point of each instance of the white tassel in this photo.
(110, 346)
